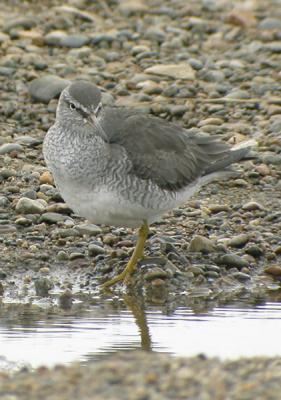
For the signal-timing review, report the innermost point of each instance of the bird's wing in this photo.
(161, 151)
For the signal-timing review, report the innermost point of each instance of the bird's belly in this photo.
(107, 207)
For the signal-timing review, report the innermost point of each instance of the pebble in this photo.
(7, 148)
(43, 286)
(62, 255)
(6, 229)
(254, 250)
(155, 273)
(241, 276)
(238, 241)
(45, 88)
(26, 205)
(66, 299)
(59, 38)
(201, 244)
(273, 270)
(95, 250)
(233, 260)
(47, 178)
(88, 229)
(75, 255)
(52, 217)
(216, 208)
(270, 23)
(252, 205)
(175, 71)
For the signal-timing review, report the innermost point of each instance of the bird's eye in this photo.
(72, 106)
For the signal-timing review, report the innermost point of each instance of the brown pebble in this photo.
(263, 169)
(274, 270)
(47, 177)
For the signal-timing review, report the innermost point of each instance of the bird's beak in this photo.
(93, 120)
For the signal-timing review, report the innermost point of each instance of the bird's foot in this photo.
(125, 276)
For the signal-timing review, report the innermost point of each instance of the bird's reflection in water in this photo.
(141, 321)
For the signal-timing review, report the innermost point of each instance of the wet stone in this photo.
(43, 286)
(155, 273)
(233, 260)
(66, 299)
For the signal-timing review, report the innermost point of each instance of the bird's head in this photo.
(79, 103)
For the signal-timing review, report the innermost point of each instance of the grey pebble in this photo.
(88, 229)
(233, 260)
(241, 276)
(7, 71)
(270, 23)
(95, 250)
(76, 255)
(155, 273)
(6, 229)
(9, 147)
(29, 206)
(47, 87)
(238, 241)
(63, 40)
(52, 217)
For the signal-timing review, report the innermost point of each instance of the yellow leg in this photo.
(137, 254)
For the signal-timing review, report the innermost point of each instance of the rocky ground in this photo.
(208, 65)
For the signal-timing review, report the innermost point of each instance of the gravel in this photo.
(207, 65)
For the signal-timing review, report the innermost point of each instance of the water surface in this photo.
(226, 332)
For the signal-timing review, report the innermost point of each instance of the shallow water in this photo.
(227, 332)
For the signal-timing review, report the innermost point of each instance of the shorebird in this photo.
(119, 167)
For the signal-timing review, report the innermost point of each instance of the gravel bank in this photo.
(154, 377)
(208, 65)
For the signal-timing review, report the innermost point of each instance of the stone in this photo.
(29, 206)
(233, 261)
(52, 217)
(88, 229)
(274, 270)
(42, 287)
(47, 87)
(46, 177)
(10, 147)
(241, 276)
(252, 205)
(254, 250)
(155, 273)
(201, 244)
(270, 23)
(238, 241)
(175, 71)
(95, 250)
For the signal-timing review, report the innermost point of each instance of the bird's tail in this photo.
(237, 153)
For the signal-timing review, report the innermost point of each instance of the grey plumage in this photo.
(117, 166)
